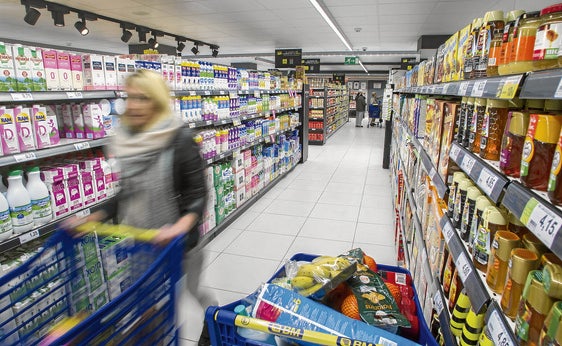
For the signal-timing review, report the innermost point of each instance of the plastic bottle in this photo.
(482, 202)
(494, 23)
(504, 243)
(471, 48)
(6, 228)
(20, 203)
(520, 58)
(461, 120)
(457, 177)
(507, 39)
(493, 124)
(460, 199)
(554, 187)
(551, 325)
(493, 220)
(475, 127)
(455, 289)
(495, 53)
(40, 198)
(3, 188)
(472, 193)
(521, 262)
(547, 42)
(464, 127)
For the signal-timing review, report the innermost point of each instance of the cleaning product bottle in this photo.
(246, 332)
(40, 198)
(20, 203)
(6, 228)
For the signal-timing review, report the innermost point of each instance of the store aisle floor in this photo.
(338, 200)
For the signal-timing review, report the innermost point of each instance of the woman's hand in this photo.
(168, 232)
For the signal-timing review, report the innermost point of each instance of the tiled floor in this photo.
(338, 200)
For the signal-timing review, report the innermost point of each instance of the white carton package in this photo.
(121, 73)
(56, 184)
(23, 66)
(40, 127)
(38, 70)
(240, 196)
(68, 121)
(239, 179)
(22, 116)
(120, 281)
(77, 71)
(110, 71)
(51, 69)
(93, 121)
(65, 74)
(114, 252)
(8, 77)
(93, 69)
(8, 131)
(78, 121)
(52, 112)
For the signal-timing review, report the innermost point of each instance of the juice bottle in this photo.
(464, 127)
(472, 193)
(493, 124)
(476, 124)
(547, 42)
(522, 47)
(469, 53)
(507, 39)
(504, 243)
(521, 262)
(493, 220)
(538, 150)
(482, 202)
(494, 24)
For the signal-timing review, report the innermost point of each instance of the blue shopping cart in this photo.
(135, 306)
(375, 115)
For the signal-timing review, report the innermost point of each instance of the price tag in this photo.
(29, 236)
(257, 94)
(498, 331)
(446, 88)
(438, 303)
(540, 220)
(455, 151)
(207, 92)
(25, 157)
(478, 89)
(509, 87)
(82, 145)
(464, 267)
(121, 93)
(558, 93)
(487, 181)
(448, 232)
(192, 93)
(221, 156)
(463, 88)
(233, 95)
(74, 95)
(191, 125)
(267, 139)
(467, 164)
(432, 173)
(209, 122)
(236, 121)
(83, 212)
(209, 161)
(222, 92)
(22, 96)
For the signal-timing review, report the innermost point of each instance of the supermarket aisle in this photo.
(338, 200)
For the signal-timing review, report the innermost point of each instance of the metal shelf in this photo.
(45, 96)
(204, 123)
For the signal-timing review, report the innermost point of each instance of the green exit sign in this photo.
(350, 60)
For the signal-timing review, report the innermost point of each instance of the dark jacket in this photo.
(360, 103)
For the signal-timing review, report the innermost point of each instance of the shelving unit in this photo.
(530, 206)
(328, 110)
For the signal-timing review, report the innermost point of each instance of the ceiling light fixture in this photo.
(195, 49)
(31, 15)
(126, 36)
(214, 50)
(153, 43)
(142, 34)
(181, 46)
(81, 26)
(58, 12)
(329, 21)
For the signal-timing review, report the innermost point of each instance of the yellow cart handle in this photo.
(102, 229)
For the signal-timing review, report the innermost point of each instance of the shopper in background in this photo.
(359, 109)
(162, 173)
(375, 111)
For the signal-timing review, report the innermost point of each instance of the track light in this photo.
(81, 26)
(215, 50)
(126, 35)
(181, 46)
(31, 15)
(142, 34)
(153, 43)
(58, 18)
(195, 49)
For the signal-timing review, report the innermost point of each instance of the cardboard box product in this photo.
(449, 58)
(22, 117)
(78, 121)
(240, 196)
(58, 191)
(52, 113)
(37, 70)
(239, 179)
(51, 69)
(77, 71)
(119, 282)
(8, 81)
(115, 254)
(65, 74)
(40, 127)
(110, 71)
(450, 128)
(458, 73)
(23, 67)
(93, 121)
(8, 131)
(68, 121)
(89, 195)
(436, 131)
(75, 198)
(121, 72)
(94, 74)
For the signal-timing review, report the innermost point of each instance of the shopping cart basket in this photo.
(62, 281)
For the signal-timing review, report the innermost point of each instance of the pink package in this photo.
(78, 122)
(51, 70)
(89, 192)
(93, 121)
(53, 123)
(68, 121)
(54, 179)
(8, 131)
(99, 178)
(24, 128)
(77, 72)
(65, 75)
(71, 172)
(40, 126)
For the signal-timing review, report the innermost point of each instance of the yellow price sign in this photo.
(508, 87)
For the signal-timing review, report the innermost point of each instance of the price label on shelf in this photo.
(221, 156)
(257, 93)
(236, 121)
(25, 157)
(82, 146)
(209, 161)
(540, 220)
(446, 88)
(191, 125)
(120, 93)
(438, 303)
(448, 232)
(432, 173)
(29, 236)
(74, 95)
(83, 212)
(478, 88)
(509, 87)
(22, 96)
(207, 92)
(464, 268)
(233, 95)
(487, 181)
(498, 331)
(463, 88)
(467, 164)
(222, 92)
(558, 93)
(455, 151)
(209, 122)
(192, 93)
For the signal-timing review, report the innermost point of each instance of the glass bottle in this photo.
(516, 226)
(476, 124)
(448, 274)
(521, 262)
(460, 199)
(495, 53)
(507, 39)
(461, 120)
(531, 242)
(538, 150)
(552, 280)
(493, 220)
(470, 51)
(465, 131)
(551, 325)
(554, 187)
(533, 308)
(455, 289)
(457, 177)
(493, 20)
(549, 258)
(472, 193)
(504, 243)
(493, 124)
(523, 43)
(482, 202)
(547, 42)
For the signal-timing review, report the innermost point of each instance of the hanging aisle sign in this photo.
(311, 65)
(287, 58)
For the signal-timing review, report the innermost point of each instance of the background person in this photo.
(359, 109)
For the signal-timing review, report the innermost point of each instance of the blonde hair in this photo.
(154, 87)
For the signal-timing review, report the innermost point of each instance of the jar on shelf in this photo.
(470, 48)
(455, 289)
(464, 127)
(554, 187)
(448, 274)
(531, 242)
(504, 242)
(552, 324)
(507, 38)
(461, 120)
(538, 150)
(494, 23)
(521, 262)
(520, 56)
(472, 328)
(552, 280)
(547, 42)
(549, 258)
(533, 308)
(482, 202)
(493, 124)
(472, 193)
(495, 53)
(460, 199)
(493, 220)
(476, 124)
(457, 177)
(516, 226)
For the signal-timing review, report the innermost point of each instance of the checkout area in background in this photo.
(367, 87)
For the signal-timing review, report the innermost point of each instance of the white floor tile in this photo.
(260, 245)
(279, 224)
(223, 240)
(376, 201)
(328, 229)
(345, 187)
(381, 253)
(303, 184)
(316, 246)
(313, 176)
(335, 212)
(261, 204)
(290, 208)
(300, 195)
(381, 215)
(244, 220)
(330, 197)
(374, 234)
(275, 191)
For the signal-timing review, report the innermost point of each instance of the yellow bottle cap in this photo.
(482, 202)
(494, 215)
(485, 339)
(519, 123)
(521, 263)
(505, 242)
(548, 128)
(531, 242)
(552, 280)
(494, 16)
(536, 295)
(513, 15)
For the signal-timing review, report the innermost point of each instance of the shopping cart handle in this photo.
(103, 229)
(290, 332)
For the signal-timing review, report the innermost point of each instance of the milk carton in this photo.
(8, 80)
(51, 69)
(88, 190)
(131, 66)
(38, 70)
(54, 179)
(95, 168)
(93, 69)
(77, 71)
(121, 73)
(24, 74)
(177, 75)
(70, 173)
(93, 121)
(65, 74)
(78, 119)
(67, 121)
(110, 72)
(8, 131)
(40, 127)
(22, 116)
(52, 112)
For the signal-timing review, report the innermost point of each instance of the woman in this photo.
(359, 109)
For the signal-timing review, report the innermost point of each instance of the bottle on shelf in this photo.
(40, 198)
(457, 177)
(472, 328)
(476, 124)
(20, 203)
(459, 313)
(464, 127)
(470, 51)
(455, 289)
(504, 243)
(495, 53)
(552, 280)
(493, 220)
(547, 42)
(521, 262)
(493, 23)
(482, 202)
(552, 324)
(472, 193)
(493, 124)
(554, 187)
(6, 228)
(520, 55)
(507, 38)
(460, 200)
(531, 242)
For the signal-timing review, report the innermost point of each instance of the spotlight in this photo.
(195, 49)
(126, 35)
(215, 53)
(58, 18)
(153, 43)
(81, 26)
(142, 34)
(181, 46)
(31, 15)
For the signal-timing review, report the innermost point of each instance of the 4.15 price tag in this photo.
(540, 220)
(467, 164)
(463, 266)
(29, 236)
(498, 331)
(487, 181)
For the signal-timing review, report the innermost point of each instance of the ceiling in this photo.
(379, 31)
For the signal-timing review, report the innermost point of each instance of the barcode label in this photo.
(497, 330)
(448, 232)
(463, 88)
(82, 145)
(74, 95)
(22, 96)
(467, 164)
(400, 279)
(25, 157)
(438, 303)
(455, 151)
